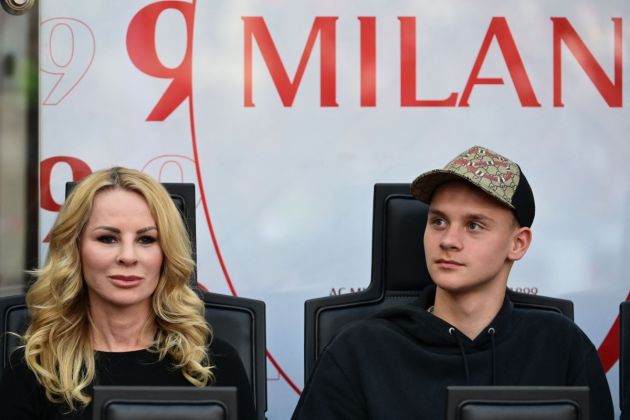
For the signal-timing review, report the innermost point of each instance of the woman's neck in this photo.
(119, 330)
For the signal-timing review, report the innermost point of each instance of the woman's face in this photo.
(120, 252)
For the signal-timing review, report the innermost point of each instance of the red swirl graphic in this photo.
(143, 54)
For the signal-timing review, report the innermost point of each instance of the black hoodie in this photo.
(398, 364)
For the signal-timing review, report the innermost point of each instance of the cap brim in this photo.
(425, 184)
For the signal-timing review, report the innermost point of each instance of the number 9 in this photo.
(67, 52)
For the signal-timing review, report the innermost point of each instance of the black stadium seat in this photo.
(517, 403)
(399, 273)
(164, 403)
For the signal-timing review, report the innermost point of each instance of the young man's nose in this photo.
(451, 238)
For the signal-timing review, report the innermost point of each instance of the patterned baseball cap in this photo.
(492, 173)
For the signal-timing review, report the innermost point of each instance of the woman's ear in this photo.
(521, 239)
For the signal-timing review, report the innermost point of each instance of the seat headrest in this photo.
(405, 265)
(398, 262)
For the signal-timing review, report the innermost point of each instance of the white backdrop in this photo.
(288, 189)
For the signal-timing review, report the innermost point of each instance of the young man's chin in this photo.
(462, 287)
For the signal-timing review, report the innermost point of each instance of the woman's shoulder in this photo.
(229, 370)
(22, 396)
(226, 359)
(221, 348)
(17, 366)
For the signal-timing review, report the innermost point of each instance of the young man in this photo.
(464, 330)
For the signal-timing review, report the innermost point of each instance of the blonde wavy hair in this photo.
(57, 343)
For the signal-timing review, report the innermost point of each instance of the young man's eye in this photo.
(147, 239)
(474, 226)
(106, 239)
(437, 222)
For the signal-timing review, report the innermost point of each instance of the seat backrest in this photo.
(241, 323)
(14, 318)
(183, 195)
(238, 321)
(164, 403)
(517, 403)
(624, 360)
(399, 273)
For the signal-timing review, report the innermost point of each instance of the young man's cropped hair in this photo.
(463, 329)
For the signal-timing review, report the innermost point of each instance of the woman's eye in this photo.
(106, 239)
(147, 240)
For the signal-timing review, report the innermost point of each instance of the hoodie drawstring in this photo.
(491, 332)
(452, 331)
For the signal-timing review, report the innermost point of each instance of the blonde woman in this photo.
(112, 305)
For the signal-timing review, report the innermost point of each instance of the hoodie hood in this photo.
(418, 323)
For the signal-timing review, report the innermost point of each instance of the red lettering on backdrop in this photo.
(368, 60)
(143, 54)
(500, 30)
(325, 28)
(408, 71)
(79, 170)
(564, 32)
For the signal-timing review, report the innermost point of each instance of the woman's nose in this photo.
(127, 253)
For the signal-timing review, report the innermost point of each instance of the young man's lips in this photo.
(449, 263)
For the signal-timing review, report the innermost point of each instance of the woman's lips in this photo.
(125, 281)
(125, 278)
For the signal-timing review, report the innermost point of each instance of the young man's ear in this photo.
(521, 239)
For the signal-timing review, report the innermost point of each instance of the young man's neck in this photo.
(470, 312)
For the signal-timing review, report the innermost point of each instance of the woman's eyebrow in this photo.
(145, 230)
(108, 228)
(116, 230)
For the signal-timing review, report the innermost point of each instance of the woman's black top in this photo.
(23, 398)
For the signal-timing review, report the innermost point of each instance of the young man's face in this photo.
(471, 240)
